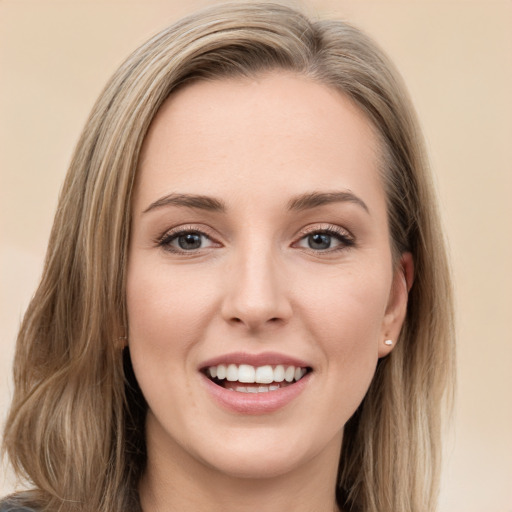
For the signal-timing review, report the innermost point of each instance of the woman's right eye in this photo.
(186, 241)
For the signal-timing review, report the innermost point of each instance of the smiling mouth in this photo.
(245, 378)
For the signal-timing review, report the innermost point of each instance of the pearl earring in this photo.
(388, 343)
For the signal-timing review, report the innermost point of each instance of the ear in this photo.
(122, 342)
(396, 308)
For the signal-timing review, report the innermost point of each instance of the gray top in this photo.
(6, 506)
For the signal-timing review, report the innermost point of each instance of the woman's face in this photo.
(259, 251)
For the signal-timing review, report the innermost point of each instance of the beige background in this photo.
(55, 57)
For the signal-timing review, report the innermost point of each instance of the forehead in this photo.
(277, 132)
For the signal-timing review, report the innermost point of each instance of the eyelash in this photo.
(165, 241)
(344, 237)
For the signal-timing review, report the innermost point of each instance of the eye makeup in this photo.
(328, 239)
(191, 239)
(186, 240)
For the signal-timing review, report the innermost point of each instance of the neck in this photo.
(175, 481)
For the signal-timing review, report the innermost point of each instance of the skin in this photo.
(254, 285)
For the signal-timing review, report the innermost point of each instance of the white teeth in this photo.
(289, 374)
(279, 373)
(259, 389)
(232, 373)
(248, 374)
(264, 375)
(221, 372)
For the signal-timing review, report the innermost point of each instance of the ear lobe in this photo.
(396, 308)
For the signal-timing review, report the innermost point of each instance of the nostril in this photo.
(239, 320)
(274, 321)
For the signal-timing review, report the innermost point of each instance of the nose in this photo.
(256, 293)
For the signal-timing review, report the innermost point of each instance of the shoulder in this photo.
(9, 506)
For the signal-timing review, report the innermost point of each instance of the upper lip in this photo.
(262, 359)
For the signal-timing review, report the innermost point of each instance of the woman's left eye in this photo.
(326, 240)
(186, 241)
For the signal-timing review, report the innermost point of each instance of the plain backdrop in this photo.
(456, 57)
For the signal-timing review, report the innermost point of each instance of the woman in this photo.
(246, 303)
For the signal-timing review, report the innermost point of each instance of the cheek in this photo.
(345, 317)
(164, 308)
(166, 317)
(347, 307)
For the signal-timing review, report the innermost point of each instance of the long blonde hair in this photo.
(75, 430)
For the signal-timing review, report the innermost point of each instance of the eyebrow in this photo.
(315, 199)
(300, 203)
(190, 201)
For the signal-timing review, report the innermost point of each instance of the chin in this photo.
(255, 465)
(263, 453)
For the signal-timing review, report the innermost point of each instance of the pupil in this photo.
(319, 241)
(189, 241)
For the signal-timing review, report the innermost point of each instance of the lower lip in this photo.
(255, 403)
